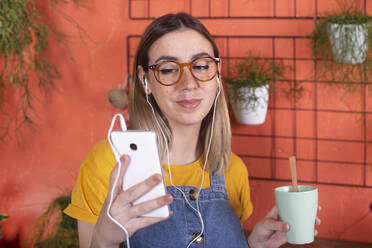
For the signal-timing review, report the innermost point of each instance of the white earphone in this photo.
(123, 126)
(197, 210)
(144, 82)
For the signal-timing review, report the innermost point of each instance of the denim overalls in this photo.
(222, 226)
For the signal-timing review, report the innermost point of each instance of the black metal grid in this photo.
(274, 158)
(229, 15)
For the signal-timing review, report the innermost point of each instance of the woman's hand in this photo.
(106, 233)
(269, 232)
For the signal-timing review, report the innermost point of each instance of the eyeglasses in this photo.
(170, 72)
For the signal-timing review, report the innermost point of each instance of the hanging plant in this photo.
(341, 47)
(24, 66)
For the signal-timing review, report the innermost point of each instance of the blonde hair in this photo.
(140, 113)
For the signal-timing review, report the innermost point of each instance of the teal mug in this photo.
(299, 210)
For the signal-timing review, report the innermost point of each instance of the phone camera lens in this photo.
(133, 146)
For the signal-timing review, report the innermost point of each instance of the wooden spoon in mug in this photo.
(292, 164)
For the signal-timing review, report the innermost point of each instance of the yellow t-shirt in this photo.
(92, 184)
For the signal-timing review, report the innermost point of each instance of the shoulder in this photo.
(236, 166)
(237, 185)
(102, 147)
(236, 176)
(99, 158)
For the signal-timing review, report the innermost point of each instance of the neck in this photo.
(184, 147)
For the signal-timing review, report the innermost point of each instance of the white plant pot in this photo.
(248, 112)
(349, 42)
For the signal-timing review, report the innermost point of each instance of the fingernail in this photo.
(287, 227)
(319, 221)
(156, 178)
(123, 158)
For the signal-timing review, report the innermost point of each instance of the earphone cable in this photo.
(169, 169)
(207, 153)
(197, 210)
(117, 158)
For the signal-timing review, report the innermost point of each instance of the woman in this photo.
(176, 72)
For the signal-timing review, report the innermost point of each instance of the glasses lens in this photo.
(167, 72)
(204, 69)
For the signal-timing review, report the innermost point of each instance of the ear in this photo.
(141, 74)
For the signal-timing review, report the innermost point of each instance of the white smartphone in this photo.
(142, 148)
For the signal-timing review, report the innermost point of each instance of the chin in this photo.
(189, 120)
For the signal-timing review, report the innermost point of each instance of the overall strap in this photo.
(218, 180)
(218, 185)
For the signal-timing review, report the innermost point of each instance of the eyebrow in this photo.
(165, 58)
(201, 54)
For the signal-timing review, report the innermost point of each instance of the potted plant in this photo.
(348, 35)
(248, 88)
(340, 46)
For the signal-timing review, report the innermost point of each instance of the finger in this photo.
(275, 225)
(315, 232)
(280, 239)
(273, 213)
(319, 208)
(124, 163)
(142, 222)
(318, 221)
(136, 191)
(148, 206)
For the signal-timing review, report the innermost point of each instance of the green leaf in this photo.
(3, 217)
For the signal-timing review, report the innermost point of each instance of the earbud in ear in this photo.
(218, 79)
(144, 81)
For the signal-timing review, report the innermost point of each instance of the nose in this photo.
(188, 81)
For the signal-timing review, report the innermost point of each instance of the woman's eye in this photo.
(167, 71)
(200, 67)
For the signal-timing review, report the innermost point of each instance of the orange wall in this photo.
(72, 121)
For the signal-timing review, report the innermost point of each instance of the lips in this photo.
(189, 103)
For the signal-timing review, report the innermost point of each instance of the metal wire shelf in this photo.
(294, 108)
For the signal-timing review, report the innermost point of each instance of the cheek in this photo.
(161, 94)
(212, 92)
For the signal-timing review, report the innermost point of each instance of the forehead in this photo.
(181, 44)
